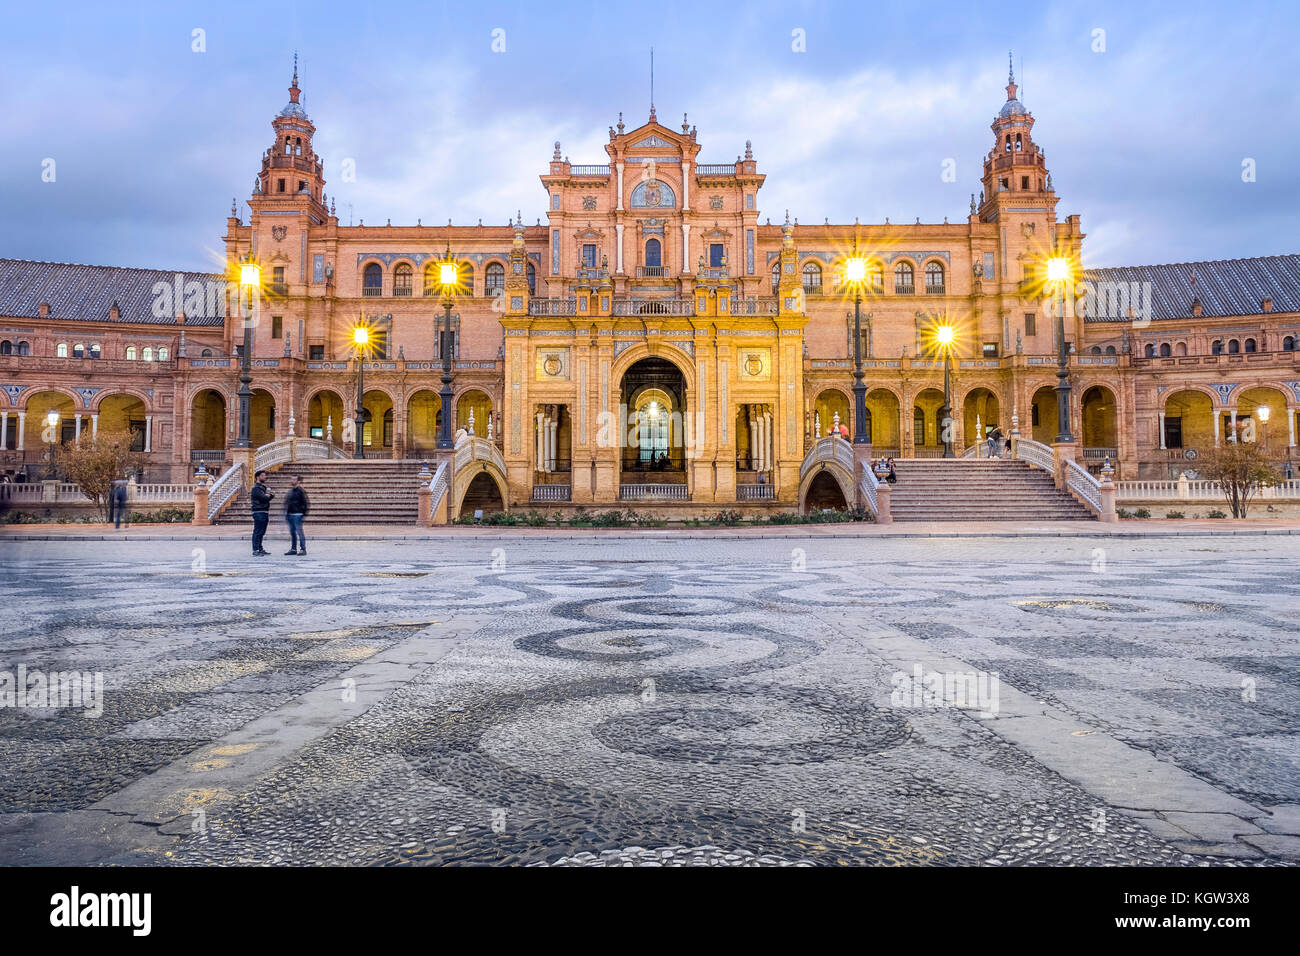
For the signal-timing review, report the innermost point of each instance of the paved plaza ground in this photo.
(656, 697)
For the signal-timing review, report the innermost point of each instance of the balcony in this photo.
(756, 492)
(401, 290)
(552, 306)
(935, 288)
(647, 492)
(651, 272)
(900, 289)
(813, 288)
(654, 306)
(372, 291)
(279, 289)
(716, 169)
(589, 170)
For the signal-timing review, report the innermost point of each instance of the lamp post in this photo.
(1058, 271)
(946, 335)
(52, 423)
(360, 339)
(855, 271)
(250, 276)
(448, 277)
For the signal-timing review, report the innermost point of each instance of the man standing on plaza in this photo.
(295, 509)
(117, 504)
(261, 497)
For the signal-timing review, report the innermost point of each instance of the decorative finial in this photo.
(293, 87)
(234, 208)
(620, 121)
(1011, 73)
(556, 155)
(972, 204)
(686, 126)
(519, 216)
(787, 217)
(749, 150)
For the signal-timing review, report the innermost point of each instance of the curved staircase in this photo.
(963, 489)
(341, 492)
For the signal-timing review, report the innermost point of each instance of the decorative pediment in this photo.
(652, 142)
(653, 195)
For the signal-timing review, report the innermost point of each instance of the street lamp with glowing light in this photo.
(52, 425)
(945, 336)
(1058, 274)
(360, 343)
(855, 273)
(250, 277)
(449, 279)
(1263, 413)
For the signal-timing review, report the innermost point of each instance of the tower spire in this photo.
(652, 84)
(1011, 79)
(294, 92)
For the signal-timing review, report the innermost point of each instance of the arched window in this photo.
(24, 348)
(94, 350)
(372, 280)
(918, 425)
(1216, 347)
(903, 278)
(130, 353)
(1110, 350)
(812, 278)
(162, 354)
(653, 254)
(402, 279)
(1165, 351)
(876, 276)
(1233, 346)
(776, 276)
(1288, 343)
(1008, 143)
(61, 350)
(79, 350)
(934, 278)
(6, 347)
(532, 279)
(1180, 348)
(1150, 350)
(494, 278)
(1250, 345)
(431, 278)
(206, 353)
(1096, 350)
(465, 278)
(147, 354)
(1019, 145)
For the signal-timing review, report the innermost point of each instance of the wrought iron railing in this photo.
(654, 492)
(716, 169)
(552, 492)
(900, 289)
(1100, 454)
(651, 272)
(553, 306)
(224, 489)
(372, 291)
(1084, 486)
(664, 305)
(594, 170)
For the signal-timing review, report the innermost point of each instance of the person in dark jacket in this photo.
(295, 509)
(261, 498)
(117, 511)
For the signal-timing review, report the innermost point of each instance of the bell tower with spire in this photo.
(1015, 170)
(291, 171)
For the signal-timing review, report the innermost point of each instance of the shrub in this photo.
(1216, 513)
(1123, 513)
(726, 517)
(1174, 514)
(1142, 513)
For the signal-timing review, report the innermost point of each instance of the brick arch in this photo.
(638, 352)
(26, 396)
(109, 393)
(836, 471)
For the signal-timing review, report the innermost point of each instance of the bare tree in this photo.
(94, 463)
(1241, 468)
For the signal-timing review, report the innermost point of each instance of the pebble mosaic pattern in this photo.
(648, 702)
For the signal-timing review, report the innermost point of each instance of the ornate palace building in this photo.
(657, 336)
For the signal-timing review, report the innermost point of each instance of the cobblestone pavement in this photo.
(641, 700)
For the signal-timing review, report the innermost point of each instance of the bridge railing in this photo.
(224, 489)
(830, 448)
(1083, 485)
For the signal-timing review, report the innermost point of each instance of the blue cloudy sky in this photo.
(151, 140)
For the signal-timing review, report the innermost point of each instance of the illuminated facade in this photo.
(657, 337)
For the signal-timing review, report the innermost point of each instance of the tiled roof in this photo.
(1224, 287)
(86, 293)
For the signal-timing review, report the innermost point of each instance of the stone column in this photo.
(686, 247)
(4, 431)
(1290, 427)
(618, 229)
(552, 435)
(1214, 414)
(538, 442)
(1232, 425)
(1161, 427)
(619, 207)
(94, 425)
(148, 433)
(76, 435)
(22, 430)
(686, 186)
